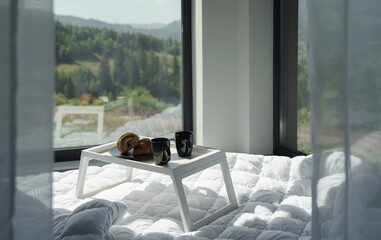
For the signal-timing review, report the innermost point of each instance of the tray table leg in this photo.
(183, 205)
(129, 171)
(231, 195)
(82, 176)
(83, 165)
(228, 182)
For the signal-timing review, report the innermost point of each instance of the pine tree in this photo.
(175, 84)
(143, 63)
(69, 88)
(121, 76)
(154, 76)
(134, 74)
(161, 87)
(60, 81)
(106, 83)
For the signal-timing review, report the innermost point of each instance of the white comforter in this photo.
(274, 196)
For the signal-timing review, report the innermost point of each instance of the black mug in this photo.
(184, 143)
(161, 149)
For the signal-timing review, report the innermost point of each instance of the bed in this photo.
(273, 192)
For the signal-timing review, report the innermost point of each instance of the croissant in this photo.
(143, 148)
(127, 141)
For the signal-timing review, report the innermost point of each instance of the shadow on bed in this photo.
(274, 195)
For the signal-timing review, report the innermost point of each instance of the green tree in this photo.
(144, 66)
(303, 91)
(104, 75)
(175, 84)
(161, 87)
(60, 81)
(69, 88)
(134, 74)
(134, 57)
(84, 81)
(121, 76)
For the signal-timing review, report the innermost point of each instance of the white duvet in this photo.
(273, 192)
(274, 196)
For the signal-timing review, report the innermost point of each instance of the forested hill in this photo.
(162, 31)
(105, 62)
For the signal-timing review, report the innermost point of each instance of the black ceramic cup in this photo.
(161, 149)
(184, 143)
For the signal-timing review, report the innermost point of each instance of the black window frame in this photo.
(74, 153)
(285, 78)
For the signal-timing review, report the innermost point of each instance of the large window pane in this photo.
(303, 139)
(117, 70)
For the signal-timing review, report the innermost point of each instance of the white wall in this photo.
(261, 76)
(233, 74)
(243, 77)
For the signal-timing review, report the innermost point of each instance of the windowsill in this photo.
(72, 165)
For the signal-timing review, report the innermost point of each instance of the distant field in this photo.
(94, 65)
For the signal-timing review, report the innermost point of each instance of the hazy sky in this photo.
(121, 11)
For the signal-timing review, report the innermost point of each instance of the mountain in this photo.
(147, 25)
(158, 30)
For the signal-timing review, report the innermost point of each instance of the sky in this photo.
(121, 11)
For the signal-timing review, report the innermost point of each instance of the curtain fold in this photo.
(345, 86)
(6, 187)
(26, 104)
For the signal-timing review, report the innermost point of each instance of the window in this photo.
(120, 68)
(303, 114)
(291, 93)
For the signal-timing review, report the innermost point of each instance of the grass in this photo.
(329, 139)
(93, 66)
(304, 138)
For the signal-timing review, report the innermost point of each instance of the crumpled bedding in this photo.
(91, 220)
(273, 193)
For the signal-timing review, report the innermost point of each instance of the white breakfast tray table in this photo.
(177, 168)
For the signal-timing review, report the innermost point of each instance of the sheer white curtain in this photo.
(26, 103)
(345, 85)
